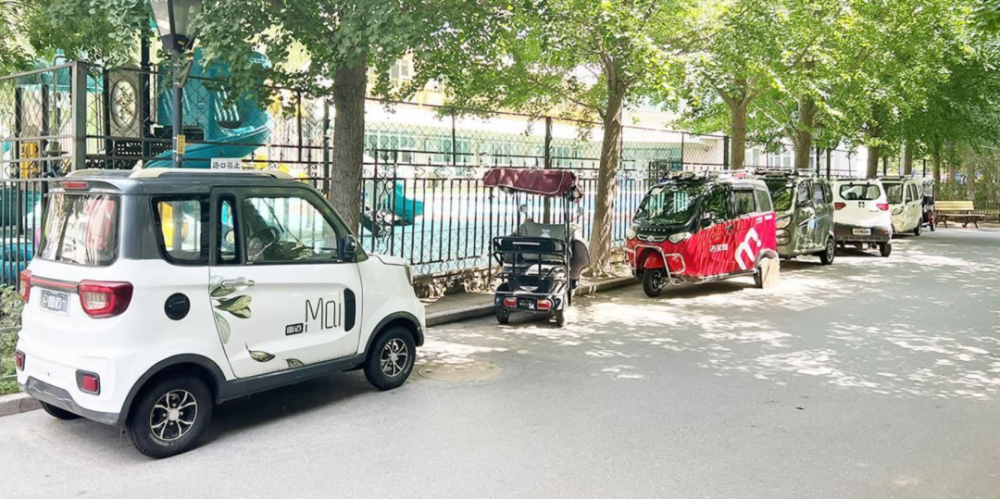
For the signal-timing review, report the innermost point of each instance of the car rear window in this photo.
(81, 229)
(860, 192)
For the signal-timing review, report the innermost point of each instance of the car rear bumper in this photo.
(58, 397)
(845, 233)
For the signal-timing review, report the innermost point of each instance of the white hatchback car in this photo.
(156, 294)
(861, 214)
(906, 202)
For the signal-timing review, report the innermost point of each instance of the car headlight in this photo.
(783, 222)
(678, 237)
(630, 233)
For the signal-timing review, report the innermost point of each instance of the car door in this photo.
(744, 230)
(717, 225)
(805, 214)
(914, 206)
(823, 215)
(283, 294)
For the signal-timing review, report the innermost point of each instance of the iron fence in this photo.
(423, 198)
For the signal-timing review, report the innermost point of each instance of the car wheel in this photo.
(170, 416)
(827, 256)
(652, 282)
(916, 230)
(390, 359)
(503, 315)
(58, 413)
(885, 249)
(560, 317)
(933, 226)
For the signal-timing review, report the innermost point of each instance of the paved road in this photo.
(872, 378)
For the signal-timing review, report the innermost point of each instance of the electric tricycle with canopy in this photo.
(703, 227)
(540, 263)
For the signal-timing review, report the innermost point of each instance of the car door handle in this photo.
(239, 282)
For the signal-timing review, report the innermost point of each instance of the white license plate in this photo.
(55, 301)
(862, 232)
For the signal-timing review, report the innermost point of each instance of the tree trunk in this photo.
(738, 131)
(349, 90)
(908, 157)
(873, 157)
(803, 133)
(607, 185)
(936, 167)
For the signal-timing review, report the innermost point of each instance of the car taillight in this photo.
(105, 299)
(839, 206)
(25, 285)
(88, 382)
(510, 302)
(19, 360)
(544, 304)
(882, 206)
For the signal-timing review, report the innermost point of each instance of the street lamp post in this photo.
(173, 21)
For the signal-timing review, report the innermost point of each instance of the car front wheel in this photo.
(169, 417)
(390, 359)
(885, 249)
(652, 282)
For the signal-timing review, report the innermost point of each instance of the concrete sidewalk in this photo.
(462, 306)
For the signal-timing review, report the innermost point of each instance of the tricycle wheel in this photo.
(503, 315)
(652, 282)
(560, 316)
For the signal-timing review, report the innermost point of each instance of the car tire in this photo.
(502, 314)
(153, 426)
(826, 256)
(382, 367)
(885, 249)
(652, 282)
(916, 230)
(560, 316)
(58, 413)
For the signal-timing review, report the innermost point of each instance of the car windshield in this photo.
(81, 229)
(894, 192)
(782, 193)
(859, 192)
(671, 204)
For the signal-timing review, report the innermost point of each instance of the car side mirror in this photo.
(350, 248)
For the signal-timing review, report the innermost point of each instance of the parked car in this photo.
(157, 294)
(862, 214)
(906, 204)
(803, 206)
(695, 228)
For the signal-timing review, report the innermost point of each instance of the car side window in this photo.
(744, 202)
(802, 194)
(764, 200)
(819, 194)
(228, 249)
(828, 192)
(715, 204)
(285, 229)
(180, 224)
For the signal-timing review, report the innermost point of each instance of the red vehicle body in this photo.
(700, 228)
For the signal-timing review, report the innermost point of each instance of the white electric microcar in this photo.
(156, 294)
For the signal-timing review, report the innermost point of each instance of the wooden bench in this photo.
(957, 211)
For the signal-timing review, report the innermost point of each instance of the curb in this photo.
(17, 403)
(475, 311)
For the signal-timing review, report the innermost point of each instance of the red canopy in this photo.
(552, 183)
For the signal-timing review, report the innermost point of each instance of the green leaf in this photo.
(243, 313)
(223, 325)
(293, 363)
(235, 303)
(259, 356)
(220, 291)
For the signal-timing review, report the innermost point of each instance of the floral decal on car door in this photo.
(237, 306)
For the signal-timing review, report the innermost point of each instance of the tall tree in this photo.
(583, 57)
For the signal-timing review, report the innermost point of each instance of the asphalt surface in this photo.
(870, 378)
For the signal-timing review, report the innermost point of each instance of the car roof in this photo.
(703, 179)
(174, 181)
